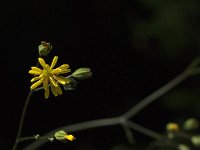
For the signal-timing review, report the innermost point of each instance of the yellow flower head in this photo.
(49, 76)
(70, 137)
(172, 127)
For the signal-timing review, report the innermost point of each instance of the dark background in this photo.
(132, 47)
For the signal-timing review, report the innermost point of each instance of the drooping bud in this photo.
(44, 49)
(82, 73)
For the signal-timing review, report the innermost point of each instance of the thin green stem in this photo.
(96, 124)
(155, 95)
(19, 131)
(22, 120)
(144, 130)
(32, 138)
(163, 90)
(128, 133)
(74, 128)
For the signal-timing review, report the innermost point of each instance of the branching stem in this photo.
(123, 119)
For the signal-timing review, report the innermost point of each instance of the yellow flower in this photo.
(49, 76)
(70, 137)
(172, 127)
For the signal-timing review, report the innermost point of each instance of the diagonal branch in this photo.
(144, 130)
(155, 95)
(128, 133)
(74, 128)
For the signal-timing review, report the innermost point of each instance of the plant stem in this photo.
(22, 120)
(144, 130)
(155, 95)
(124, 118)
(95, 124)
(76, 127)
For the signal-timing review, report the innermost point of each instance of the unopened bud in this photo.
(82, 73)
(191, 124)
(62, 135)
(183, 147)
(195, 141)
(44, 49)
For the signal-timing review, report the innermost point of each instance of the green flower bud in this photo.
(183, 147)
(62, 135)
(196, 141)
(44, 49)
(191, 124)
(82, 73)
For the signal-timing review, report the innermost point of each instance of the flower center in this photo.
(47, 70)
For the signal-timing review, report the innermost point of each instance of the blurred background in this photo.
(133, 48)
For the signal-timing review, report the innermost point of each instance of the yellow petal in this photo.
(60, 80)
(59, 90)
(65, 71)
(37, 78)
(56, 71)
(53, 90)
(65, 79)
(54, 83)
(36, 84)
(42, 62)
(70, 137)
(45, 84)
(54, 61)
(46, 93)
(64, 68)
(34, 72)
(36, 69)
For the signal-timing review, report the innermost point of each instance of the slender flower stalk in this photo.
(22, 120)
